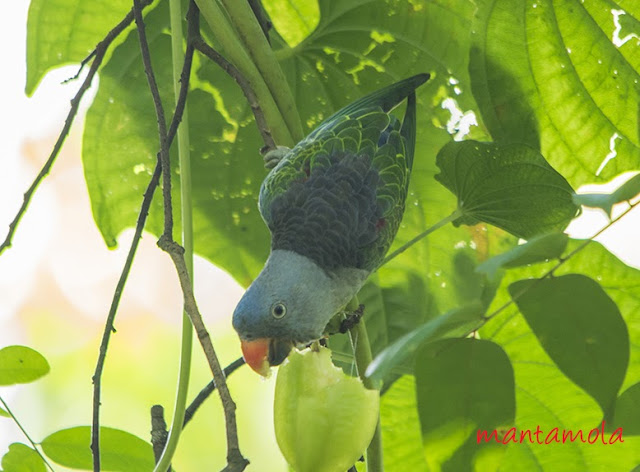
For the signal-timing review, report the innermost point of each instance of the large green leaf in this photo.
(627, 415)
(22, 458)
(65, 31)
(545, 396)
(581, 329)
(119, 450)
(507, 185)
(21, 364)
(463, 386)
(401, 435)
(454, 323)
(550, 74)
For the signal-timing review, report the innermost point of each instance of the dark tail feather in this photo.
(408, 130)
(386, 98)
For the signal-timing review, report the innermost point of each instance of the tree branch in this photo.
(209, 388)
(201, 46)
(159, 431)
(235, 460)
(98, 56)
(142, 217)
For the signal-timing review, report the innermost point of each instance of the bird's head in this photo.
(289, 303)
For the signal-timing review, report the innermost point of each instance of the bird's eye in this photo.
(278, 310)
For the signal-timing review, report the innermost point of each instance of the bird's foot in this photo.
(273, 157)
(352, 319)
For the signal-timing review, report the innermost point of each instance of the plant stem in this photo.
(177, 421)
(253, 37)
(24, 431)
(363, 357)
(234, 51)
(452, 217)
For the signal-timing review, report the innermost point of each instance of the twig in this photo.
(98, 55)
(235, 460)
(24, 431)
(261, 16)
(142, 217)
(162, 125)
(159, 431)
(208, 390)
(201, 46)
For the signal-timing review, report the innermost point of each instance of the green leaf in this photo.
(63, 32)
(581, 329)
(21, 364)
(294, 20)
(454, 323)
(119, 450)
(627, 414)
(625, 192)
(537, 249)
(463, 385)
(510, 186)
(4, 413)
(549, 74)
(401, 435)
(22, 458)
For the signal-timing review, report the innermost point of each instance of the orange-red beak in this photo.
(256, 354)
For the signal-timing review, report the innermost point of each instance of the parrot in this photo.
(333, 205)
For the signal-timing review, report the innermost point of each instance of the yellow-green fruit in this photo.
(324, 419)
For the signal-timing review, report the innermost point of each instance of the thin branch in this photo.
(208, 390)
(142, 217)
(162, 125)
(98, 55)
(262, 17)
(561, 261)
(235, 460)
(201, 46)
(24, 431)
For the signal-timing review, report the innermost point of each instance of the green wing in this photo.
(363, 128)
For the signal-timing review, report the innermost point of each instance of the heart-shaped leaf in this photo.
(510, 186)
(581, 329)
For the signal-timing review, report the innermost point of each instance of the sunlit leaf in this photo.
(63, 32)
(4, 413)
(463, 386)
(556, 76)
(21, 364)
(625, 192)
(294, 20)
(452, 324)
(401, 435)
(510, 186)
(22, 458)
(119, 450)
(627, 414)
(581, 329)
(537, 249)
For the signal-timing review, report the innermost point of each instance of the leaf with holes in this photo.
(510, 186)
(581, 329)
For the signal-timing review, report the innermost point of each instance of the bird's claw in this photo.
(273, 157)
(352, 319)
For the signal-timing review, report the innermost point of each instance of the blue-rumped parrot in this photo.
(333, 205)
